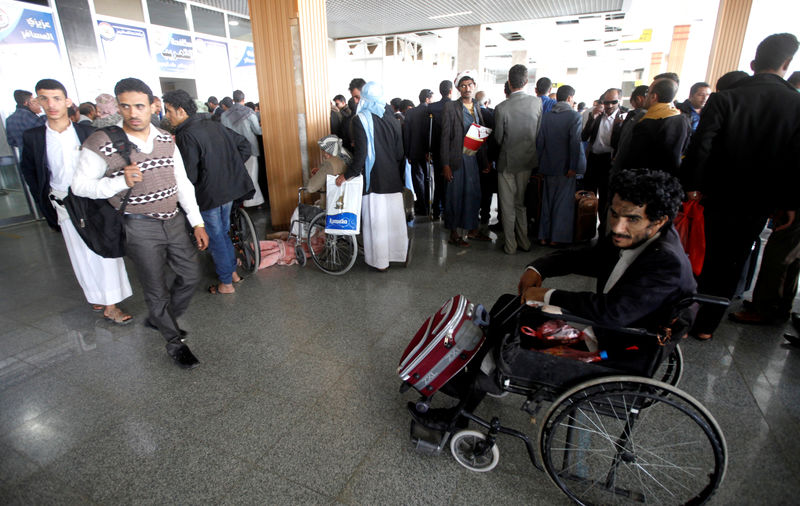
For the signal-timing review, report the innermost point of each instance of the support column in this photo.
(677, 50)
(655, 64)
(470, 48)
(726, 49)
(81, 47)
(290, 40)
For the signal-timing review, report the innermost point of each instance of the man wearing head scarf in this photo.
(461, 170)
(107, 111)
(335, 159)
(379, 157)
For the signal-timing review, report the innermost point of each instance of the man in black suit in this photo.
(49, 159)
(436, 111)
(597, 132)
(415, 145)
(744, 162)
(641, 269)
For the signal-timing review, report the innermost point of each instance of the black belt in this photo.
(141, 217)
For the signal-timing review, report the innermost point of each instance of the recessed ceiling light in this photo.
(464, 13)
(233, 22)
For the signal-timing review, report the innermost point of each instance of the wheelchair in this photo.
(245, 241)
(333, 254)
(613, 432)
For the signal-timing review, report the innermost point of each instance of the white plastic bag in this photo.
(343, 206)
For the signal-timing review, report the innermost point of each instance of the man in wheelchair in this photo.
(642, 274)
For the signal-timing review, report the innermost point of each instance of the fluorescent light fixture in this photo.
(233, 22)
(450, 15)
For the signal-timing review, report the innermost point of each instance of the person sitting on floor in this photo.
(641, 269)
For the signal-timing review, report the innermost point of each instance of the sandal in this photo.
(214, 290)
(98, 308)
(118, 317)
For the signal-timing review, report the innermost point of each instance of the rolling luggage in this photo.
(444, 344)
(585, 216)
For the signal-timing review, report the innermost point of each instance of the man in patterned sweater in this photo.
(154, 225)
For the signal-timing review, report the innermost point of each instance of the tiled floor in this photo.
(296, 400)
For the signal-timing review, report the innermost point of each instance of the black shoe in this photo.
(793, 340)
(441, 419)
(182, 355)
(151, 325)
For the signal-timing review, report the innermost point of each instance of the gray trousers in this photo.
(511, 196)
(776, 284)
(153, 245)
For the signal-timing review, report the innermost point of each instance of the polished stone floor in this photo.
(296, 399)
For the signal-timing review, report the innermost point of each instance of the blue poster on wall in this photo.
(248, 58)
(26, 26)
(174, 53)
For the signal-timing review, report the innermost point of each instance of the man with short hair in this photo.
(642, 273)
(49, 160)
(621, 137)
(516, 122)
(88, 113)
(244, 121)
(698, 96)
(436, 114)
(744, 162)
(597, 132)
(155, 226)
(543, 86)
(214, 108)
(660, 137)
(214, 159)
(355, 96)
(561, 159)
(415, 144)
(25, 117)
(794, 80)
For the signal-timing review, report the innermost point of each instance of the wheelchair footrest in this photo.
(428, 441)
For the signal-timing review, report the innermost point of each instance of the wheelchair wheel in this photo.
(627, 439)
(245, 241)
(300, 255)
(671, 369)
(470, 449)
(334, 254)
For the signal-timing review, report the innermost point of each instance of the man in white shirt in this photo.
(597, 132)
(154, 225)
(49, 159)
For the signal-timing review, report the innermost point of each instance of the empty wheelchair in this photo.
(245, 241)
(616, 431)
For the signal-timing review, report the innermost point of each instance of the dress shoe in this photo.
(151, 325)
(793, 340)
(182, 355)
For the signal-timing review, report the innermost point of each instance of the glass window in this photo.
(208, 21)
(240, 28)
(125, 9)
(168, 13)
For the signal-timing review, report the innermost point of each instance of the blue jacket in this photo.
(559, 142)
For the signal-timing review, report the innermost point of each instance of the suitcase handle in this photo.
(481, 316)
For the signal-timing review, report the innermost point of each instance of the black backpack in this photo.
(101, 226)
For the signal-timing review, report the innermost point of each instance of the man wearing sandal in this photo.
(214, 158)
(155, 227)
(49, 159)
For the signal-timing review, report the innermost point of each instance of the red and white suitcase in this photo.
(444, 344)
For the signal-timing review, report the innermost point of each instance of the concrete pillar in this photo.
(470, 48)
(81, 47)
(726, 49)
(290, 39)
(655, 65)
(677, 50)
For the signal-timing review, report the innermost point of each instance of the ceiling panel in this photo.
(353, 18)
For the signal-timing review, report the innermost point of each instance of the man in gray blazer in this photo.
(516, 126)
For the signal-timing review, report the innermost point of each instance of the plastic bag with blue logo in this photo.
(344, 206)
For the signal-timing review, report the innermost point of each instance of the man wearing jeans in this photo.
(214, 159)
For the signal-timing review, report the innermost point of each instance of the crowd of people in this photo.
(733, 146)
(735, 150)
